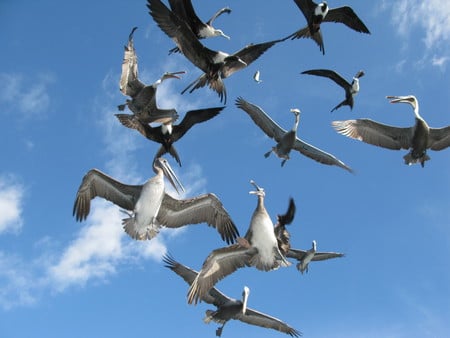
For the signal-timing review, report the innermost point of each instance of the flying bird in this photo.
(417, 138)
(150, 207)
(229, 308)
(216, 65)
(351, 89)
(202, 30)
(143, 97)
(281, 233)
(168, 133)
(316, 13)
(257, 76)
(286, 140)
(306, 256)
(258, 248)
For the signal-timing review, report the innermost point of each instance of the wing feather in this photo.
(97, 184)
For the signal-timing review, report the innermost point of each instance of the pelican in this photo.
(351, 89)
(417, 138)
(143, 97)
(286, 140)
(152, 208)
(168, 133)
(306, 256)
(229, 308)
(216, 65)
(185, 11)
(315, 14)
(258, 248)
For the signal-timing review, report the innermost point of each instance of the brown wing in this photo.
(97, 184)
(205, 208)
(439, 138)
(375, 133)
(254, 317)
(219, 264)
(348, 17)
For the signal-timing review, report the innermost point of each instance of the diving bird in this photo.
(143, 97)
(151, 208)
(351, 89)
(168, 133)
(229, 308)
(281, 233)
(316, 13)
(306, 256)
(202, 30)
(286, 140)
(216, 65)
(417, 138)
(258, 248)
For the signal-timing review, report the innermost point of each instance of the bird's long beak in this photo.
(225, 36)
(258, 191)
(396, 99)
(173, 179)
(175, 74)
(245, 294)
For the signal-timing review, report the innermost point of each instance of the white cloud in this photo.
(11, 200)
(432, 16)
(25, 95)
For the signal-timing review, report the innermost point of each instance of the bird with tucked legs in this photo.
(417, 138)
(150, 207)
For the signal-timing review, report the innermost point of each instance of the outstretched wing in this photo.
(97, 184)
(206, 208)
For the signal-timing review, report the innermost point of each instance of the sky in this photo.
(60, 90)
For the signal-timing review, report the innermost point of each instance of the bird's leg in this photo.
(283, 162)
(266, 155)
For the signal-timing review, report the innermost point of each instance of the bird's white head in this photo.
(161, 164)
(314, 245)
(219, 32)
(410, 99)
(259, 191)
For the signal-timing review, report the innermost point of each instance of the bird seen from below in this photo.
(202, 30)
(258, 248)
(287, 140)
(168, 133)
(281, 233)
(304, 257)
(151, 207)
(143, 97)
(216, 65)
(316, 13)
(229, 308)
(418, 138)
(351, 89)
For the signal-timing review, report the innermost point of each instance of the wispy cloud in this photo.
(410, 17)
(11, 201)
(25, 95)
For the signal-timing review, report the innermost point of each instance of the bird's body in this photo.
(168, 133)
(418, 138)
(317, 13)
(202, 30)
(143, 97)
(216, 65)
(287, 140)
(151, 207)
(258, 248)
(281, 233)
(351, 88)
(304, 257)
(228, 308)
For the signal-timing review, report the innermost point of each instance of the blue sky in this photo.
(60, 89)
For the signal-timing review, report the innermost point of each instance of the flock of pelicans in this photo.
(265, 246)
